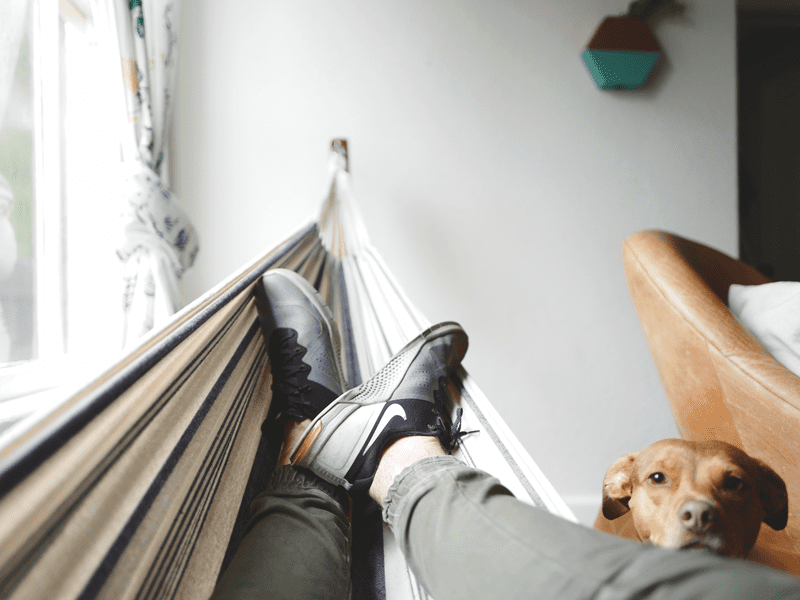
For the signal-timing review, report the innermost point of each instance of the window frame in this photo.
(46, 370)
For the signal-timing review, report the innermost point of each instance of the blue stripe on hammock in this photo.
(321, 273)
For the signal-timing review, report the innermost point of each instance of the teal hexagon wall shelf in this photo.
(622, 53)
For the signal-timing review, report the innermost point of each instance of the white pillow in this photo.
(771, 312)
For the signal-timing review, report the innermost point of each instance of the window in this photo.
(58, 149)
(17, 273)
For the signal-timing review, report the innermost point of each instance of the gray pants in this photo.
(465, 536)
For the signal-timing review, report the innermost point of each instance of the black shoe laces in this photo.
(289, 372)
(451, 435)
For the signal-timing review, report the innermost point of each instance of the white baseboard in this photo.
(585, 507)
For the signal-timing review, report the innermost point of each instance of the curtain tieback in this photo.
(156, 220)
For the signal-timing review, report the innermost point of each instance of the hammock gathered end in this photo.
(132, 487)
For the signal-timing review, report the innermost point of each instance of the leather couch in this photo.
(720, 382)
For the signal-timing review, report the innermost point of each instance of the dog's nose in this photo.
(696, 515)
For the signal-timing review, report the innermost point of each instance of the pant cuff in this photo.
(413, 480)
(287, 479)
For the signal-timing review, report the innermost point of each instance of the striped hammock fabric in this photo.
(138, 486)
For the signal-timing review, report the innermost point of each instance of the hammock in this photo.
(138, 486)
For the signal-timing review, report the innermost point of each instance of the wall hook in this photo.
(340, 146)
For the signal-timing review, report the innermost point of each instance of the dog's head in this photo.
(696, 495)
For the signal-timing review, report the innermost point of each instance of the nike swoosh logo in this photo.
(394, 410)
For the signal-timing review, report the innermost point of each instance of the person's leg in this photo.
(297, 543)
(465, 536)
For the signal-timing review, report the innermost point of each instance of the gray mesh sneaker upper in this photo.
(343, 445)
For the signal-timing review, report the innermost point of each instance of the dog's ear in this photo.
(773, 497)
(618, 487)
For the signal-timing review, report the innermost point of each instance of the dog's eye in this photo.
(733, 484)
(657, 478)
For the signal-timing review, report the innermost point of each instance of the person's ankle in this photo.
(292, 432)
(401, 453)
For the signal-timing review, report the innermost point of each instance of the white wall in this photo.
(495, 179)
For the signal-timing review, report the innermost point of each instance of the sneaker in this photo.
(344, 444)
(303, 345)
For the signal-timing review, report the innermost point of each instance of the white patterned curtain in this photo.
(160, 242)
(13, 15)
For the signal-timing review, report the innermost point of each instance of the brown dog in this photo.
(707, 495)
